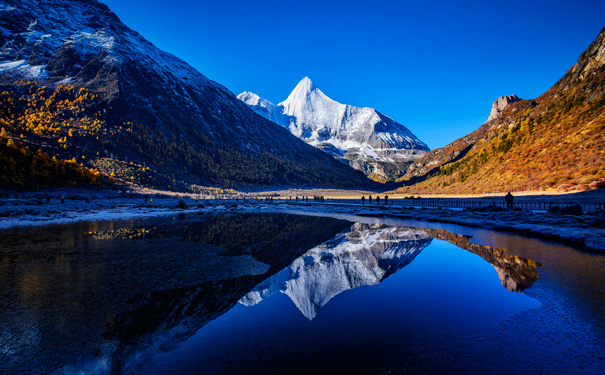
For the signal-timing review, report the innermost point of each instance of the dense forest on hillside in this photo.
(21, 167)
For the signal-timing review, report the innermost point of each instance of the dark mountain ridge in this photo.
(73, 63)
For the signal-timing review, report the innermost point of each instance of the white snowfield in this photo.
(352, 134)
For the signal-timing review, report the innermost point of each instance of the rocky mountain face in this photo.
(553, 141)
(363, 138)
(77, 82)
(501, 103)
(364, 255)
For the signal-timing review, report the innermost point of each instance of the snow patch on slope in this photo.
(22, 69)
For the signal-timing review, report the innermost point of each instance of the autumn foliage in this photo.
(556, 141)
(21, 167)
(51, 118)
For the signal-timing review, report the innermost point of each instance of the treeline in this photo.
(223, 165)
(21, 167)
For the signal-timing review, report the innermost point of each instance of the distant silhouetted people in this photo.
(386, 199)
(363, 200)
(378, 200)
(370, 199)
(509, 200)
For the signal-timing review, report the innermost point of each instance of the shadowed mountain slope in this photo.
(77, 82)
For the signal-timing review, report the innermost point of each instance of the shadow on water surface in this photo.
(135, 296)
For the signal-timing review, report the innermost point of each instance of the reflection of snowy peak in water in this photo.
(365, 255)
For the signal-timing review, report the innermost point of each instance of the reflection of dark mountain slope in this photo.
(272, 239)
(259, 235)
(365, 255)
(516, 273)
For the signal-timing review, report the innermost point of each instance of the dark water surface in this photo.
(289, 294)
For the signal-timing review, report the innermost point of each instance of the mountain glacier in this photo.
(364, 138)
(365, 254)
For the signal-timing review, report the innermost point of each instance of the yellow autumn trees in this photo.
(27, 110)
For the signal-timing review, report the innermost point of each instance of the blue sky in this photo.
(434, 66)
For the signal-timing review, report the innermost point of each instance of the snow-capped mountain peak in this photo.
(264, 107)
(251, 98)
(304, 92)
(305, 85)
(361, 137)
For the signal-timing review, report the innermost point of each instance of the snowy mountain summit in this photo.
(364, 138)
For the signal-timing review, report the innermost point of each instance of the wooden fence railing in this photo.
(461, 203)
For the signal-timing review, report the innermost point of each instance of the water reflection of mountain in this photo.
(147, 287)
(365, 255)
(344, 257)
(67, 287)
(361, 254)
(516, 273)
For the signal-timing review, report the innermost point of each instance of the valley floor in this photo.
(583, 231)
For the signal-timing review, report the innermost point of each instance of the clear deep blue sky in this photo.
(434, 66)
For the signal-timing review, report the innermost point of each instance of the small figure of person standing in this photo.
(363, 200)
(370, 199)
(378, 200)
(509, 200)
(386, 199)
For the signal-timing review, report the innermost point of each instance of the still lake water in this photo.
(290, 294)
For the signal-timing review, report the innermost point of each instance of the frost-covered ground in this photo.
(584, 231)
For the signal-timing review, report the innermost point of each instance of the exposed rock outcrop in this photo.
(500, 104)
